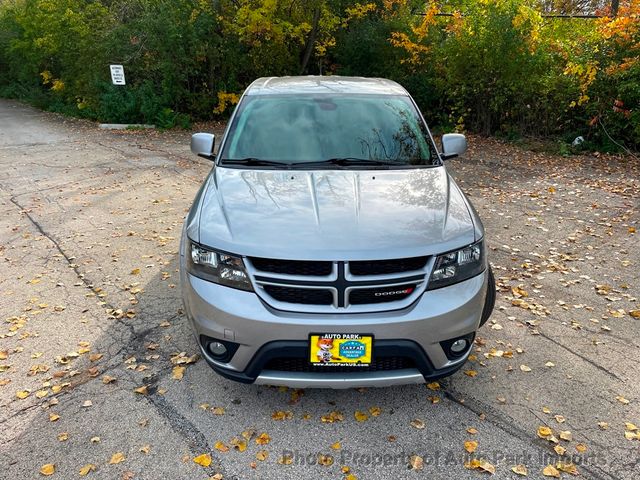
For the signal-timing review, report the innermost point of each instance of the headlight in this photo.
(454, 267)
(217, 267)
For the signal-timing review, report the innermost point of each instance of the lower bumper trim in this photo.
(338, 380)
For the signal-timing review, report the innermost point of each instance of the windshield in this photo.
(300, 130)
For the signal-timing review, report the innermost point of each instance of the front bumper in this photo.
(242, 318)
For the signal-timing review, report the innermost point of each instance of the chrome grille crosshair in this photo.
(307, 286)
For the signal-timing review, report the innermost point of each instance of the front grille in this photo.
(299, 364)
(363, 296)
(306, 296)
(384, 267)
(292, 267)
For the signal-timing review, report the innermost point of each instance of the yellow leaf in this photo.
(218, 410)
(135, 271)
(550, 471)
(63, 436)
(178, 372)
(53, 417)
(89, 467)
(560, 450)
(336, 446)
(326, 460)
(480, 464)
(48, 469)
(203, 460)
(282, 415)
(581, 447)
(262, 455)
(567, 468)
(220, 446)
(285, 460)
(622, 400)
(634, 313)
(433, 386)
(544, 432)
(22, 394)
(351, 476)
(520, 470)
(263, 439)
(470, 373)
(238, 444)
(630, 426)
(525, 368)
(142, 390)
(361, 416)
(145, 449)
(566, 435)
(470, 446)
(331, 417)
(117, 457)
(416, 462)
(107, 379)
(375, 411)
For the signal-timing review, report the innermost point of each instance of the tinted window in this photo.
(290, 128)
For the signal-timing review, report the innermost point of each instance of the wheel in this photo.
(490, 299)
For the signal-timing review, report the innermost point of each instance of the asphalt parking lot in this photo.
(97, 367)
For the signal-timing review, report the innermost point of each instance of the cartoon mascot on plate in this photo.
(324, 350)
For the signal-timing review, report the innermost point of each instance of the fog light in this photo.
(459, 345)
(217, 349)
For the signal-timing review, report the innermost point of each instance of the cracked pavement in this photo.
(90, 310)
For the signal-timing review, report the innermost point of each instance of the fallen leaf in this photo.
(622, 400)
(106, 379)
(417, 423)
(285, 460)
(145, 449)
(203, 460)
(472, 431)
(263, 439)
(581, 447)
(48, 469)
(144, 390)
(62, 437)
(282, 415)
(336, 446)
(520, 470)
(331, 417)
(117, 457)
(54, 417)
(470, 373)
(480, 464)
(262, 455)
(544, 432)
(416, 462)
(220, 446)
(178, 372)
(135, 271)
(240, 445)
(567, 468)
(470, 446)
(566, 435)
(361, 416)
(22, 394)
(217, 410)
(326, 460)
(433, 386)
(550, 471)
(525, 368)
(89, 467)
(375, 411)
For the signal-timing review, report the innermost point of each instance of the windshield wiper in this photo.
(253, 162)
(346, 162)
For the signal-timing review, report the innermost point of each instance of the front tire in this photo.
(490, 299)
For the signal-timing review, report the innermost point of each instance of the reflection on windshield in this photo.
(292, 129)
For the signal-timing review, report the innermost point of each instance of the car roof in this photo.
(323, 85)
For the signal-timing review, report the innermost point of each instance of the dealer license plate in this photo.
(340, 349)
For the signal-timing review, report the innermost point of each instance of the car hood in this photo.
(333, 214)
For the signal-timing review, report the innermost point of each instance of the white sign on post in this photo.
(117, 74)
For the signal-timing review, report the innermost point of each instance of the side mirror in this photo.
(202, 145)
(453, 144)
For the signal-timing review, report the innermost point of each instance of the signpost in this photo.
(117, 74)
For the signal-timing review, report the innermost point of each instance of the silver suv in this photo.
(329, 247)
